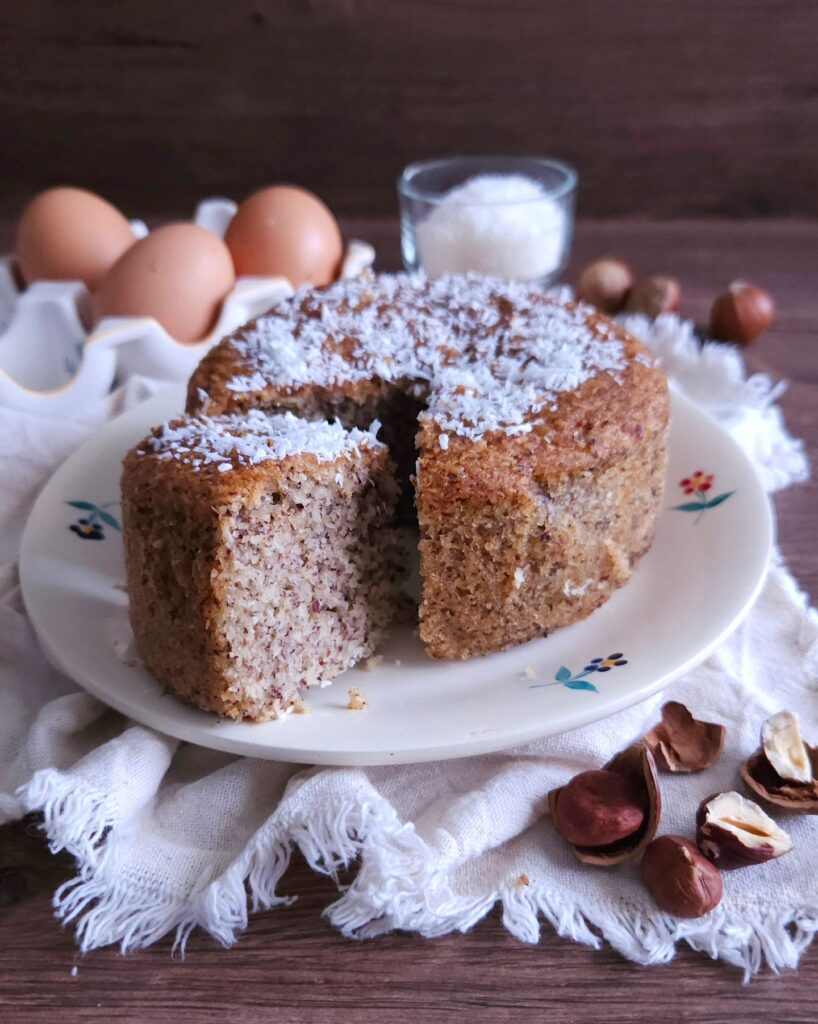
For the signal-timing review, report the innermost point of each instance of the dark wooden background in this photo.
(668, 108)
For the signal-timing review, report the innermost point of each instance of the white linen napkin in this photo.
(168, 836)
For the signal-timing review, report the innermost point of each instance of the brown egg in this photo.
(285, 231)
(70, 234)
(180, 274)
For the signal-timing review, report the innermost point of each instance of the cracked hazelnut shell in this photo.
(682, 743)
(733, 832)
(784, 770)
(679, 878)
(637, 769)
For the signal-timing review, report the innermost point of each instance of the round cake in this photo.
(534, 432)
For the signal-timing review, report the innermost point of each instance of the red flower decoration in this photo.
(697, 481)
(698, 484)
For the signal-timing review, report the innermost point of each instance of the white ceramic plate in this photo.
(693, 587)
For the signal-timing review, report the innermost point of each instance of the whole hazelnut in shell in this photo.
(679, 878)
(741, 313)
(597, 808)
(605, 283)
(654, 295)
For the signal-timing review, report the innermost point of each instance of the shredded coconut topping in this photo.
(227, 442)
(485, 354)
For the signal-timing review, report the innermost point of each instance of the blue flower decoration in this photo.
(565, 677)
(92, 525)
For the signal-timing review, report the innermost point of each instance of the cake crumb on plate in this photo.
(357, 701)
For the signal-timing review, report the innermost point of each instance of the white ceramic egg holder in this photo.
(49, 363)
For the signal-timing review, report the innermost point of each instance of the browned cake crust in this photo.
(250, 584)
(515, 545)
(522, 535)
(527, 523)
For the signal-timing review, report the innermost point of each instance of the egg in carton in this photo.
(51, 365)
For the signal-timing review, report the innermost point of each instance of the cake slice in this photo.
(261, 556)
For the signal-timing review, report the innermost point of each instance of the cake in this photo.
(534, 432)
(261, 556)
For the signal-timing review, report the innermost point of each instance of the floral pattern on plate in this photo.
(92, 525)
(698, 484)
(565, 677)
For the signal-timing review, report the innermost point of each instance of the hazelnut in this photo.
(599, 808)
(654, 295)
(784, 771)
(784, 748)
(741, 313)
(734, 832)
(679, 878)
(605, 284)
(682, 743)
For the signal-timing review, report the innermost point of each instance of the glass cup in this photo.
(516, 223)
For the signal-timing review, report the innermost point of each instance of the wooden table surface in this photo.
(290, 965)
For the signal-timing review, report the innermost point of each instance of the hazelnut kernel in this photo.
(785, 749)
(654, 295)
(597, 808)
(741, 313)
(733, 832)
(783, 772)
(605, 283)
(679, 878)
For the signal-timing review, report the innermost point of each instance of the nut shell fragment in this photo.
(679, 878)
(682, 743)
(734, 832)
(636, 765)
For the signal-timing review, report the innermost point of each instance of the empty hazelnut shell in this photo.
(784, 770)
(734, 832)
(638, 769)
(682, 743)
